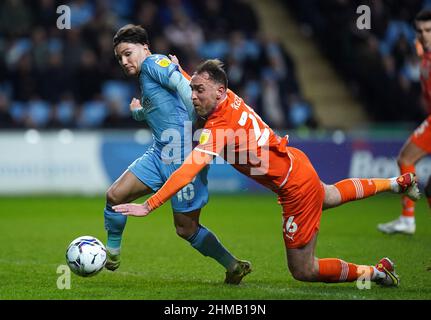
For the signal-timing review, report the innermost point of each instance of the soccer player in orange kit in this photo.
(236, 133)
(418, 145)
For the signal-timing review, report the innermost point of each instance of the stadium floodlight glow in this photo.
(65, 136)
(338, 137)
(32, 136)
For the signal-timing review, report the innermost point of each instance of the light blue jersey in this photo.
(167, 108)
(162, 108)
(169, 118)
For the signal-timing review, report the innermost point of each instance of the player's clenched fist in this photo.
(135, 104)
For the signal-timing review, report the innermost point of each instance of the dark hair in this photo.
(423, 15)
(214, 68)
(131, 33)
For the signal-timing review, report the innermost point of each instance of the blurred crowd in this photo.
(69, 78)
(380, 65)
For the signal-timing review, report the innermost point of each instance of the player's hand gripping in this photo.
(135, 104)
(133, 209)
(175, 60)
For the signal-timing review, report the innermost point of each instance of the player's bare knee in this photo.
(181, 232)
(113, 197)
(185, 232)
(302, 273)
(404, 160)
(186, 225)
(332, 197)
(186, 228)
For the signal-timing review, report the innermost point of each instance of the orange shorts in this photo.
(421, 137)
(302, 200)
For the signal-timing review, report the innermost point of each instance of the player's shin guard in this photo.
(114, 225)
(407, 203)
(428, 192)
(335, 270)
(207, 243)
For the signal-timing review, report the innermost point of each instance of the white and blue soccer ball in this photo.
(86, 256)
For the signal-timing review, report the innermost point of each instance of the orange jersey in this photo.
(426, 78)
(237, 134)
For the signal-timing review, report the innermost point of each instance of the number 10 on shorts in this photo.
(187, 193)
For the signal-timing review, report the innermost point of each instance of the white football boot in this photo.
(407, 185)
(404, 225)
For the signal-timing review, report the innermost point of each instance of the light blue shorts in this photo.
(151, 170)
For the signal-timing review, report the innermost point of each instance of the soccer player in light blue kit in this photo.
(166, 108)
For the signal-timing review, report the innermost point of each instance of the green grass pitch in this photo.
(157, 264)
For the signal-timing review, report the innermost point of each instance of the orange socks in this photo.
(407, 203)
(336, 270)
(355, 189)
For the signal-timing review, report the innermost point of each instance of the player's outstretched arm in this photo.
(194, 163)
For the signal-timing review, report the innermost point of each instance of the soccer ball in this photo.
(86, 256)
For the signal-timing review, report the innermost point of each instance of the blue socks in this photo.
(202, 240)
(207, 243)
(114, 224)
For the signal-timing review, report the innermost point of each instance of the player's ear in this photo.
(146, 47)
(220, 91)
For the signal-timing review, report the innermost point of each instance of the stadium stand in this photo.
(379, 65)
(52, 78)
